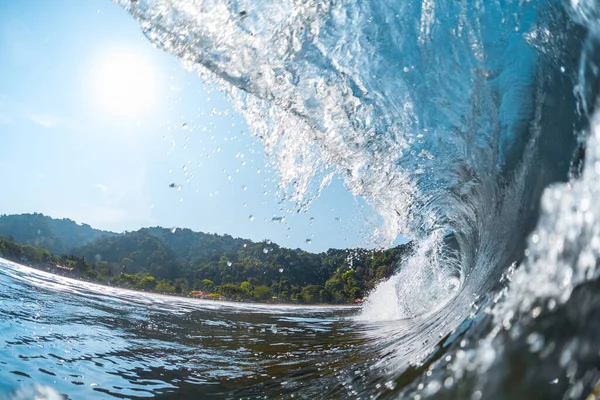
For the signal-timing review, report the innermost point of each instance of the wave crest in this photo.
(450, 127)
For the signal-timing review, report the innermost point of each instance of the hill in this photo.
(56, 235)
(181, 260)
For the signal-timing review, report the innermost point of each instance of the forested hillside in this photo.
(56, 235)
(182, 260)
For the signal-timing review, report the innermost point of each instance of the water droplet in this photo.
(432, 388)
(280, 270)
(245, 245)
(265, 251)
(448, 382)
(535, 238)
(308, 241)
(229, 263)
(184, 126)
(251, 217)
(274, 328)
(244, 188)
(173, 230)
(179, 188)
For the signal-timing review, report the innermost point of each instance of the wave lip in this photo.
(413, 116)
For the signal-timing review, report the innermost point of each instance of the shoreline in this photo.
(73, 277)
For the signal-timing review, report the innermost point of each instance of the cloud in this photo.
(102, 187)
(46, 120)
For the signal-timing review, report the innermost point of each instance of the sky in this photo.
(96, 125)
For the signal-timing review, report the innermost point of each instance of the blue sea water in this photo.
(88, 341)
(469, 126)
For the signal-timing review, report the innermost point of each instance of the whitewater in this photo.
(470, 127)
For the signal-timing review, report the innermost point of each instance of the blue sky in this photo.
(67, 150)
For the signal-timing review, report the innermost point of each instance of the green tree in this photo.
(312, 294)
(247, 288)
(207, 285)
(165, 287)
(262, 293)
(181, 285)
(231, 291)
(148, 282)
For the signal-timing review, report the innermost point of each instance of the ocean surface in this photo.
(469, 126)
(89, 341)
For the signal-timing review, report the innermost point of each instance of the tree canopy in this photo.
(181, 260)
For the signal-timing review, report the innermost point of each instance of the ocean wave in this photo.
(466, 125)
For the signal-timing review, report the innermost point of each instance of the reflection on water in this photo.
(89, 341)
(84, 339)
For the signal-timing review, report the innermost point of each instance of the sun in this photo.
(124, 83)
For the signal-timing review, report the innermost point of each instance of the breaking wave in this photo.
(467, 125)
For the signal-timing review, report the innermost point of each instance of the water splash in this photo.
(318, 109)
(450, 118)
(435, 124)
(422, 286)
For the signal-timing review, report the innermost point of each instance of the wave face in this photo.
(450, 118)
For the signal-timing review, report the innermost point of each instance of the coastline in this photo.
(222, 300)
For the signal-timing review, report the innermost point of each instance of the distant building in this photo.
(199, 293)
(63, 267)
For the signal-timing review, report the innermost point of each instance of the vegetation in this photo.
(56, 235)
(180, 261)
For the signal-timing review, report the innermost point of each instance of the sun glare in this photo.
(124, 84)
